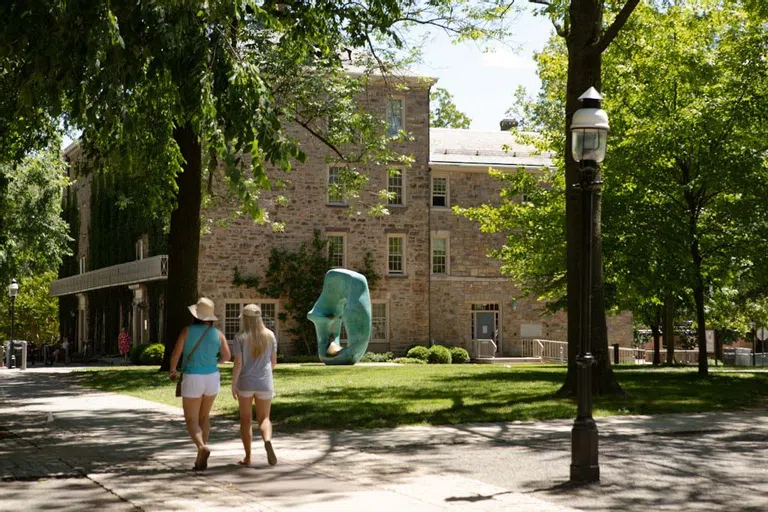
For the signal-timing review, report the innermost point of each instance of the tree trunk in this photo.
(656, 338)
(183, 240)
(584, 71)
(669, 327)
(698, 297)
(718, 345)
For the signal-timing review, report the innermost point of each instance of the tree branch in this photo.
(618, 23)
(319, 137)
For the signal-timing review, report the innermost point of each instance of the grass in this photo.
(327, 397)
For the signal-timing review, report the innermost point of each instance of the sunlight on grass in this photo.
(318, 396)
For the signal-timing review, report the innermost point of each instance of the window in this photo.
(269, 315)
(140, 249)
(233, 323)
(440, 192)
(439, 256)
(379, 321)
(231, 320)
(396, 254)
(394, 116)
(336, 250)
(82, 265)
(336, 189)
(395, 187)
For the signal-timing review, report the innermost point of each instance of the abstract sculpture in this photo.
(345, 300)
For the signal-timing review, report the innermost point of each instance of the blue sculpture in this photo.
(344, 300)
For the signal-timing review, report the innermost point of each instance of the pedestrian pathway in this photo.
(87, 450)
(79, 447)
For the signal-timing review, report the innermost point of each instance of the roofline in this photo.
(482, 167)
(425, 80)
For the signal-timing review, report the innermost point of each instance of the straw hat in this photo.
(251, 310)
(203, 310)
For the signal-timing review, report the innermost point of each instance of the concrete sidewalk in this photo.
(113, 451)
(84, 449)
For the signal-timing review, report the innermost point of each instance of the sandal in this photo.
(271, 457)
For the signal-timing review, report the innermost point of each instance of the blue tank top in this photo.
(204, 359)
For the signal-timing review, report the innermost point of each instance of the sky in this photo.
(483, 84)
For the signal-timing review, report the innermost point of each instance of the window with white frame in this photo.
(439, 191)
(231, 320)
(337, 249)
(394, 116)
(395, 187)
(396, 254)
(379, 321)
(335, 187)
(439, 255)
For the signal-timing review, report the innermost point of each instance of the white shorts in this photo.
(261, 395)
(194, 385)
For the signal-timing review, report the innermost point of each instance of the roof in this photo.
(450, 146)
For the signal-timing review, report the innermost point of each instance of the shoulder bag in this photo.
(186, 361)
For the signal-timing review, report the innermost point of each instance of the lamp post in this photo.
(589, 134)
(13, 291)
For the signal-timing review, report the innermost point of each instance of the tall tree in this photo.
(443, 112)
(154, 84)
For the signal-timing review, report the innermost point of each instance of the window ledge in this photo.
(397, 206)
(337, 205)
(397, 276)
(440, 208)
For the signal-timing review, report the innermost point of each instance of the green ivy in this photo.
(297, 277)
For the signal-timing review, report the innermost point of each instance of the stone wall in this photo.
(242, 243)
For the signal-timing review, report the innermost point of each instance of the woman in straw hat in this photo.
(203, 346)
(255, 350)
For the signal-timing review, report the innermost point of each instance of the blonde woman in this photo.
(255, 351)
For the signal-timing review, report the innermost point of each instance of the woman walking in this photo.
(255, 351)
(203, 346)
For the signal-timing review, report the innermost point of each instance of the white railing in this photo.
(627, 355)
(139, 271)
(484, 349)
(546, 350)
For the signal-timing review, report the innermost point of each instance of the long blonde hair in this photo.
(256, 332)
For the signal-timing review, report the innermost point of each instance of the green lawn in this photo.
(327, 397)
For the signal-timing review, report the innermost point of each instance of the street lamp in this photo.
(589, 134)
(13, 291)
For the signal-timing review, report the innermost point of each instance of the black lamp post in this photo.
(589, 134)
(13, 291)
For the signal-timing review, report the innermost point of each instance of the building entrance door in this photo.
(485, 325)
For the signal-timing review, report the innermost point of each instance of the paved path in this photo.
(113, 452)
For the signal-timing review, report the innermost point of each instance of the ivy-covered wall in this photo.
(117, 223)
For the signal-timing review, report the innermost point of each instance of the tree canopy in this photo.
(443, 112)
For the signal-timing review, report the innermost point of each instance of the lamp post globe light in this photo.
(589, 135)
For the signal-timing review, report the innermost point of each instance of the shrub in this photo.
(418, 352)
(135, 355)
(294, 359)
(459, 355)
(372, 357)
(439, 354)
(408, 360)
(152, 354)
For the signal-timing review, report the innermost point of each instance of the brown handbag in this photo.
(184, 366)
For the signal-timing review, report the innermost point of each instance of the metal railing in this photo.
(545, 350)
(484, 349)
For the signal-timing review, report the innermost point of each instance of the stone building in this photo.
(437, 283)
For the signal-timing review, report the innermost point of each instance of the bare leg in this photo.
(192, 418)
(265, 425)
(246, 429)
(205, 416)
